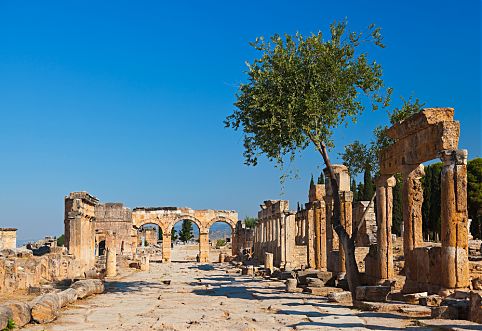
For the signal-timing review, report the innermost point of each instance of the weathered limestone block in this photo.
(291, 285)
(45, 308)
(414, 298)
(323, 291)
(314, 282)
(88, 287)
(475, 311)
(420, 139)
(372, 293)
(111, 263)
(21, 313)
(433, 300)
(5, 314)
(343, 297)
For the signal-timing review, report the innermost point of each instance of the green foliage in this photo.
(397, 209)
(301, 88)
(409, 108)
(474, 195)
(368, 186)
(174, 235)
(359, 157)
(312, 181)
(185, 234)
(61, 240)
(431, 207)
(10, 325)
(353, 189)
(159, 233)
(321, 178)
(250, 222)
(220, 243)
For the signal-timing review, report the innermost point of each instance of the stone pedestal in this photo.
(385, 185)
(454, 254)
(204, 247)
(111, 262)
(145, 263)
(166, 246)
(346, 199)
(412, 196)
(268, 261)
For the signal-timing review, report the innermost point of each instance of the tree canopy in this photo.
(185, 234)
(301, 88)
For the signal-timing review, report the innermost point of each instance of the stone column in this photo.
(346, 199)
(329, 230)
(204, 246)
(311, 236)
(454, 255)
(166, 246)
(283, 243)
(322, 252)
(268, 261)
(385, 185)
(412, 199)
(111, 258)
(289, 220)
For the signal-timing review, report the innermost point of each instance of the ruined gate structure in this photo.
(425, 136)
(89, 223)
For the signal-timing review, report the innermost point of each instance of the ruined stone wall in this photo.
(244, 238)
(25, 271)
(8, 238)
(79, 227)
(117, 218)
(275, 233)
(367, 234)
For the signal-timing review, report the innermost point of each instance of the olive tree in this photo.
(298, 91)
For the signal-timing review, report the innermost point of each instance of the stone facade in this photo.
(367, 235)
(244, 239)
(25, 271)
(8, 238)
(87, 220)
(275, 233)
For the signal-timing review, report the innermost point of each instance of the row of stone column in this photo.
(453, 255)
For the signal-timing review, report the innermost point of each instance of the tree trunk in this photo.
(352, 273)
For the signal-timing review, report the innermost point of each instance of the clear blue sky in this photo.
(125, 99)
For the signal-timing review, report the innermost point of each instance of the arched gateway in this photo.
(86, 220)
(167, 217)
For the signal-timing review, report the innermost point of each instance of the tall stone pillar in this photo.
(111, 258)
(289, 220)
(412, 200)
(204, 246)
(283, 242)
(454, 254)
(320, 229)
(385, 186)
(311, 236)
(329, 230)
(166, 246)
(346, 199)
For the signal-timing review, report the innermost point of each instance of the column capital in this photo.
(413, 171)
(453, 156)
(386, 181)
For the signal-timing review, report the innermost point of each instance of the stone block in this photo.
(431, 300)
(372, 293)
(323, 291)
(343, 297)
(314, 282)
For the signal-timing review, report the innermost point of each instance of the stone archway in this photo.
(232, 225)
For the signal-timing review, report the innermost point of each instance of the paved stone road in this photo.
(205, 297)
